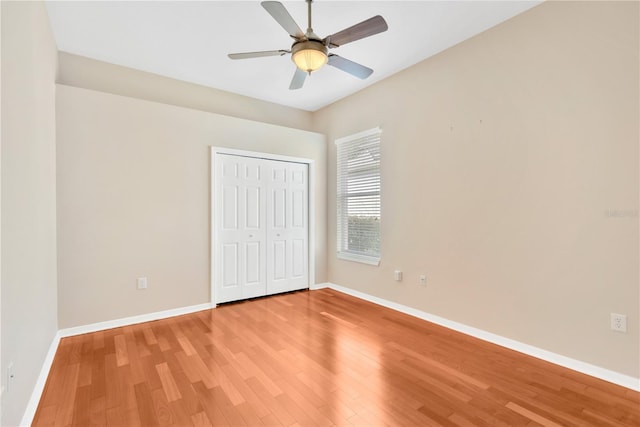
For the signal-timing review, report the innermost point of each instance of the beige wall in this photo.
(89, 73)
(510, 178)
(134, 196)
(29, 308)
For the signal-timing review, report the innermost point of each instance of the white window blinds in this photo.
(358, 197)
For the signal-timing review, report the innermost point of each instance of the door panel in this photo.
(252, 170)
(230, 169)
(253, 262)
(279, 173)
(242, 227)
(261, 227)
(230, 207)
(253, 207)
(299, 227)
(279, 260)
(230, 265)
(279, 218)
(298, 210)
(288, 224)
(298, 177)
(298, 264)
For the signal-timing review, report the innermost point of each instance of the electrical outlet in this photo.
(422, 279)
(142, 283)
(618, 322)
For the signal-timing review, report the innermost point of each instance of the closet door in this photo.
(287, 227)
(241, 225)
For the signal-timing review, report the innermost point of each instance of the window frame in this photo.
(342, 251)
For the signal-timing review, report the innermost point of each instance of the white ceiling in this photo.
(189, 40)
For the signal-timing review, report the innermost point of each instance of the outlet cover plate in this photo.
(618, 322)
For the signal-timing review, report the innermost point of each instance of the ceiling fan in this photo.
(309, 52)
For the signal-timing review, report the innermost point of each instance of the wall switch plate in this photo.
(142, 283)
(422, 279)
(618, 322)
(397, 275)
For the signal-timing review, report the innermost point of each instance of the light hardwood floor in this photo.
(314, 358)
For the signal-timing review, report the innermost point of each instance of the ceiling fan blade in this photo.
(367, 28)
(350, 67)
(298, 79)
(280, 14)
(246, 55)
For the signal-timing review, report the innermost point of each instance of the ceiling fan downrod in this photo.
(309, 28)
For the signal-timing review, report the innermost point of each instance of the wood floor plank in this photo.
(164, 413)
(129, 397)
(149, 336)
(122, 357)
(68, 392)
(84, 375)
(137, 371)
(211, 408)
(250, 417)
(270, 421)
(532, 415)
(146, 407)
(314, 358)
(201, 420)
(46, 416)
(82, 407)
(113, 388)
(97, 412)
(250, 398)
(226, 405)
(196, 370)
(168, 383)
(279, 412)
(115, 416)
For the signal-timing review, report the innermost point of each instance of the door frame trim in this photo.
(215, 152)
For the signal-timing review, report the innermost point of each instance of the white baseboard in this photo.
(558, 359)
(126, 321)
(32, 406)
(36, 394)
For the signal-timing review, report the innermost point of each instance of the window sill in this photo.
(359, 258)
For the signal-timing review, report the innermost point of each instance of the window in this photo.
(358, 193)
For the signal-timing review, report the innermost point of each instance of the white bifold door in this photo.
(261, 226)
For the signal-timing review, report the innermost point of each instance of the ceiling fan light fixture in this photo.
(310, 52)
(309, 55)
